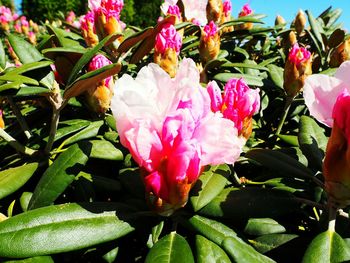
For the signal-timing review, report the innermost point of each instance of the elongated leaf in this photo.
(327, 247)
(276, 75)
(64, 131)
(2, 56)
(61, 228)
(244, 65)
(25, 51)
(11, 85)
(263, 226)
(89, 131)
(290, 139)
(24, 200)
(40, 259)
(88, 55)
(90, 80)
(208, 251)
(250, 80)
(266, 243)
(102, 149)
(209, 185)
(171, 248)
(240, 251)
(134, 39)
(14, 78)
(59, 175)
(14, 178)
(280, 162)
(31, 66)
(315, 28)
(336, 38)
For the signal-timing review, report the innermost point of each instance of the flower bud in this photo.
(166, 49)
(238, 103)
(32, 37)
(336, 167)
(99, 96)
(279, 21)
(214, 10)
(88, 29)
(209, 45)
(340, 54)
(297, 68)
(246, 10)
(226, 15)
(300, 21)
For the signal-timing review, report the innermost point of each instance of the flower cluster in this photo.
(168, 38)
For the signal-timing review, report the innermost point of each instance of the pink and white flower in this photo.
(321, 92)
(167, 125)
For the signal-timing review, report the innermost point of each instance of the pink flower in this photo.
(70, 18)
(246, 10)
(88, 18)
(210, 30)
(196, 10)
(94, 4)
(321, 92)
(97, 62)
(341, 113)
(111, 8)
(298, 55)
(227, 7)
(174, 10)
(238, 103)
(167, 38)
(24, 21)
(167, 125)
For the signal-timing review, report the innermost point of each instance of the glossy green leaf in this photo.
(60, 174)
(240, 251)
(327, 247)
(279, 162)
(276, 75)
(244, 65)
(312, 141)
(250, 80)
(30, 66)
(111, 256)
(241, 204)
(14, 178)
(11, 85)
(102, 149)
(64, 38)
(266, 243)
(67, 130)
(24, 200)
(208, 251)
(170, 249)
(89, 131)
(25, 91)
(290, 139)
(61, 228)
(209, 185)
(211, 229)
(40, 259)
(263, 226)
(25, 51)
(2, 56)
(155, 234)
(14, 77)
(316, 29)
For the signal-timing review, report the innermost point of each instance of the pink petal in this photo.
(215, 96)
(343, 73)
(196, 10)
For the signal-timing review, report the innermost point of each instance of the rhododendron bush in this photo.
(207, 137)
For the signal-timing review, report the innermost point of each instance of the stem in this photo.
(53, 129)
(20, 118)
(289, 101)
(309, 202)
(15, 144)
(332, 217)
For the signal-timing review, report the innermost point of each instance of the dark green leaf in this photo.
(14, 178)
(172, 248)
(2, 56)
(276, 75)
(42, 259)
(105, 150)
(263, 226)
(88, 132)
(316, 28)
(208, 251)
(30, 66)
(250, 80)
(60, 174)
(209, 185)
(25, 51)
(61, 228)
(266, 243)
(24, 200)
(134, 39)
(327, 247)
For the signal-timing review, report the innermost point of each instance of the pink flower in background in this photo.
(24, 21)
(167, 38)
(237, 103)
(70, 18)
(89, 18)
(246, 10)
(321, 92)
(167, 125)
(210, 30)
(227, 7)
(111, 8)
(298, 55)
(97, 62)
(94, 4)
(196, 10)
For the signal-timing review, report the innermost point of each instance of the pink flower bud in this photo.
(168, 38)
(174, 10)
(97, 62)
(246, 10)
(227, 7)
(298, 55)
(210, 30)
(70, 18)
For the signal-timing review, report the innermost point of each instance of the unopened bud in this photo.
(279, 21)
(209, 45)
(300, 21)
(214, 10)
(340, 54)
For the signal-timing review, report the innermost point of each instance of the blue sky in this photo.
(287, 9)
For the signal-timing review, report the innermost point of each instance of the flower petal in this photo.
(343, 72)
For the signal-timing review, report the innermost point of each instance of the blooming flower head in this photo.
(210, 30)
(111, 8)
(168, 38)
(298, 55)
(167, 125)
(336, 168)
(321, 92)
(238, 103)
(246, 10)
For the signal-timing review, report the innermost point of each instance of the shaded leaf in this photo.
(208, 251)
(250, 80)
(266, 243)
(276, 75)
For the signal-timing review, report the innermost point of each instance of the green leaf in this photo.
(88, 132)
(40, 259)
(312, 141)
(211, 229)
(209, 185)
(105, 150)
(263, 226)
(266, 243)
(276, 75)
(14, 78)
(208, 251)
(132, 40)
(61, 228)
(171, 248)
(241, 204)
(30, 66)
(240, 251)
(14, 178)
(88, 55)
(327, 247)
(290, 139)
(72, 128)
(25, 91)
(2, 56)
(250, 80)
(24, 200)
(25, 51)
(59, 175)
(279, 162)
(316, 28)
